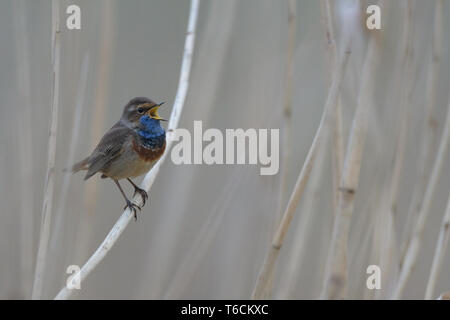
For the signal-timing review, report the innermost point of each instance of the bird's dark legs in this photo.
(130, 205)
(142, 192)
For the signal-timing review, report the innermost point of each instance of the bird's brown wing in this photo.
(110, 147)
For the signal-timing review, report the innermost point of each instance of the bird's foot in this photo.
(143, 194)
(133, 208)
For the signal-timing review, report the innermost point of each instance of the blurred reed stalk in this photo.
(290, 280)
(429, 142)
(404, 108)
(60, 227)
(50, 176)
(146, 184)
(268, 266)
(338, 144)
(335, 284)
(439, 253)
(85, 226)
(25, 148)
(74, 136)
(287, 106)
(287, 121)
(384, 237)
(415, 244)
(433, 79)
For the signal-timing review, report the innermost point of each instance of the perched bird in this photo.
(130, 148)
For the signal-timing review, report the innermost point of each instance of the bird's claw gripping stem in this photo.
(143, 194)
(132, 207)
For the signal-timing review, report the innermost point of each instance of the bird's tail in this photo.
(82, 165)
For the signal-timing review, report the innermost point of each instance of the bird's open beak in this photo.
(153, 112)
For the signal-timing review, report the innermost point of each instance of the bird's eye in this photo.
(140, 110)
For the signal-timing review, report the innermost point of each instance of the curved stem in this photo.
(439, 252)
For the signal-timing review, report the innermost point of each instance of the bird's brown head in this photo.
(139, 107)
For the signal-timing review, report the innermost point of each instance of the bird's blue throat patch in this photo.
(151, 133)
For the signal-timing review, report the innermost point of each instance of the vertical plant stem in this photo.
(385, 226)
(268, 266)
(338, 144)
(430, 137)
(50, 176)
(404, 108)
(127, 215)
(105, 58)
(335, 284)
(414, 246)
(287, 117)
(439, 253)
(287, 105)
(59, 228)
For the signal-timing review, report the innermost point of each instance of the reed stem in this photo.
(51, 156)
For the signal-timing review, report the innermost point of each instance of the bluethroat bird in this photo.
(130, 148)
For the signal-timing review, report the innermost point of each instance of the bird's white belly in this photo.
(128, 165)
